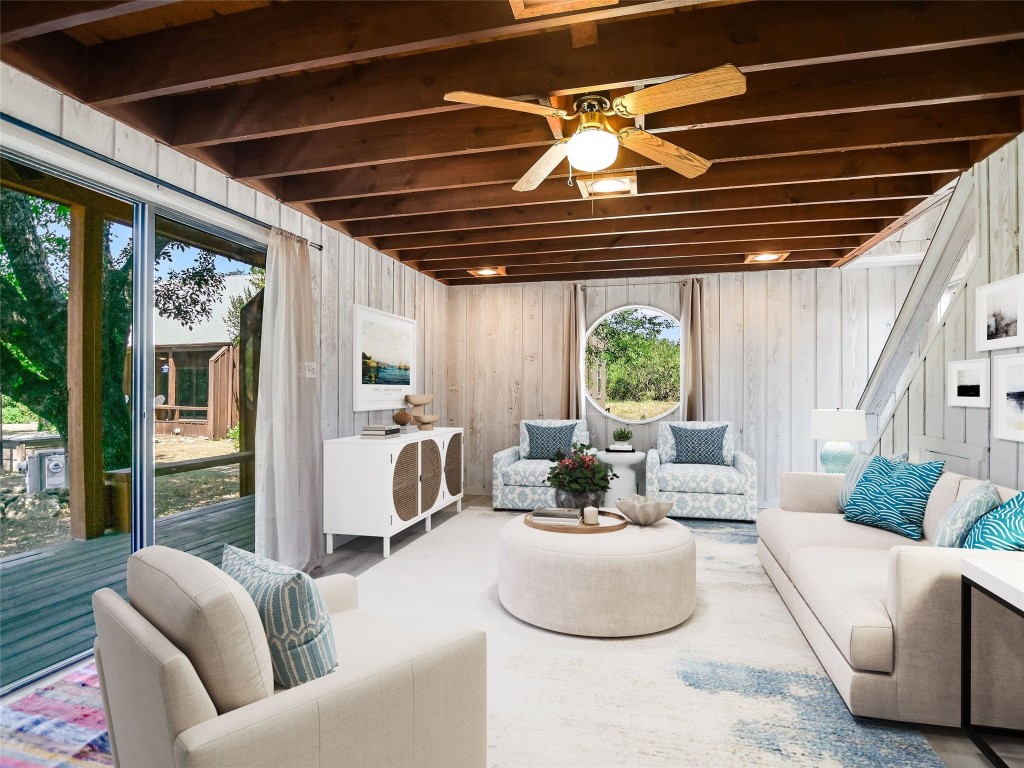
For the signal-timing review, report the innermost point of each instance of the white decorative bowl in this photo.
(644, 510)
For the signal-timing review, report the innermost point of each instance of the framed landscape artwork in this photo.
(967, 383)
(1000, 307)
(1008, 398)
(383, 359)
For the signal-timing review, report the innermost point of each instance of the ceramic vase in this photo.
(572, 500)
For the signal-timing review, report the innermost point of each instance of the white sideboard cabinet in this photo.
(375, 487)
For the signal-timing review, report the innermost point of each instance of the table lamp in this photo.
(838, 427)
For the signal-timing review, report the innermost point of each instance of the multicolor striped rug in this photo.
(56, 726)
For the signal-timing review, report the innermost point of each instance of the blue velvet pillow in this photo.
(547, 442)
(295, 616)
(1002, 528)
(699, 446)
(893, 496)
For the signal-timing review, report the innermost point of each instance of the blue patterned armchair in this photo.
(703, 490)
(519, 483)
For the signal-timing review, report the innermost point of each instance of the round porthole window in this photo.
(631, 364)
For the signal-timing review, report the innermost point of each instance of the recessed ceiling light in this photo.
(487, 272)
(609, 186)
(765, 258)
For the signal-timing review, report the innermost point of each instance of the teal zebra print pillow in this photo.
(893, 496)
(854, 474)
(1002, 528)
(295, 617)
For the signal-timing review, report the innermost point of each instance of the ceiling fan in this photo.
(594, 145)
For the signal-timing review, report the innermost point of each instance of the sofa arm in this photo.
(501, 461)
(651, 472)
(340, 592)
(923, 602)
(748, 468)
(809, 491)
(427, 709)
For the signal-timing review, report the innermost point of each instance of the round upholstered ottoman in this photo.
(630, 582)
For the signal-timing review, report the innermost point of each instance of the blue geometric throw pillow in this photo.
(893, 496)
(855, 471)
(699, 446)
(547, 442)
(963, 514)
(295, 617)
(1002, 528)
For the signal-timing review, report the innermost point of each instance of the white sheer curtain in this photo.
(288, 443)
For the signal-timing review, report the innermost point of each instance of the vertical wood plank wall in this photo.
(777, 345)
(344, 274)
(921, 410)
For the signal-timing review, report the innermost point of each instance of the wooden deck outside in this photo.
(46, 595)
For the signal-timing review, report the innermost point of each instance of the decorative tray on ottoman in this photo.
(608, 521)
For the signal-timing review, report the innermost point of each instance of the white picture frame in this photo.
(1008, 398)
(967, 383)
(999, 314)
(390, 341)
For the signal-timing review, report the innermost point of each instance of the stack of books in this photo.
(556, 516)
(381, 431)
(619, 448)
(408, 429)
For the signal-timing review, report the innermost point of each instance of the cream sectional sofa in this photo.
(882, 612)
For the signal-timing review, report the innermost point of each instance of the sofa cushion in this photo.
(945, 492)
(549, 442)
(209, 617)
(699, 446)
(1002, 528)
(785, 532)
(579, 435)
(531, 472)
(667, 445)
(846, 589)
(699, 478)
(893, 496)
(855, 472)
(295, 617)
(964, 513)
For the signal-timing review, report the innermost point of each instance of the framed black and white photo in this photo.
(1008, 398)
(967, 383)
(383, 359)
(1000, 307)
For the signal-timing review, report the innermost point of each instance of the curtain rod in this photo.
(584, 286)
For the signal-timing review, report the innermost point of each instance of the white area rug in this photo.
(734, 685)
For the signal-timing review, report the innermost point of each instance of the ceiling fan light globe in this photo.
(592, 149)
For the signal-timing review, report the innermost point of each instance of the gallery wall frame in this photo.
(999, 308)
(968, 383)
(1008, 398)
(384, 364)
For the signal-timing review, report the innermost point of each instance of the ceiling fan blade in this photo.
(543, 167)
(669, 155)
(481, 100)
(715, 83)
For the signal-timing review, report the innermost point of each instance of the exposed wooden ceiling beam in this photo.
(707, 220)
(752, 36)
(22, 19)
(927, 124)
(570, 274)
(840, 243)
(934, 77)
(286, 38)
(719, 237)
(782, 195)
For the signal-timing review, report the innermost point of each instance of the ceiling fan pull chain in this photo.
(570, 175)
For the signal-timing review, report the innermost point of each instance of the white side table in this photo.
(622, 463)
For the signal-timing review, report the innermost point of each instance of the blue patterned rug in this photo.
(734, 685)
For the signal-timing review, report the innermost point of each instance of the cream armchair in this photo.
(186, 680)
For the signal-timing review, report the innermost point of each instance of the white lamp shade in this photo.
(835, 424)
(592, 149)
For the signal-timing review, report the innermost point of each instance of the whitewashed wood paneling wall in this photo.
(777, 345)
(344, 274)
(921, 410)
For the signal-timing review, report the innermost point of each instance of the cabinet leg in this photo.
(428, 523)
(329, 545)
(458, 505)
(387, 546)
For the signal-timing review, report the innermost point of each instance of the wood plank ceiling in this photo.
(854, 113)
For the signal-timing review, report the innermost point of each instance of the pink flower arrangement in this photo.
(580, 471)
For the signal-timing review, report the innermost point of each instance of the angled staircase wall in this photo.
(907, 390)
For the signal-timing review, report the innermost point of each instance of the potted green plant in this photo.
(621, 437)
(579, 479)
